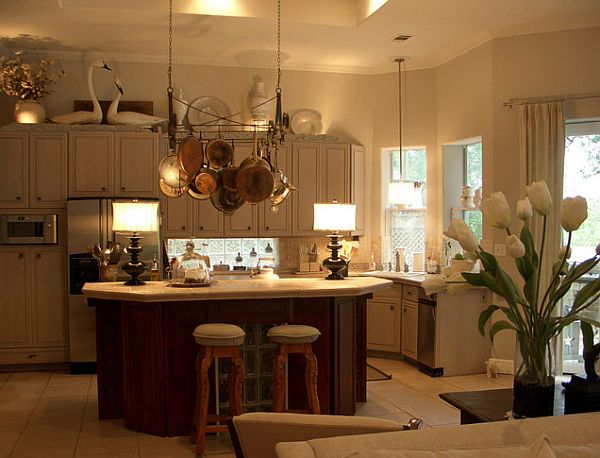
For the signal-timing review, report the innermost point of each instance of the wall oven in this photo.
(28, 229)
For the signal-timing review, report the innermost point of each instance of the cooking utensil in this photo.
(206, 180)
(170, 191)
(224, 200)
(191, 156)
(194, 193)
(219, 153)
(229, 174)
(169, 172)
(254, 180)
(282, 189)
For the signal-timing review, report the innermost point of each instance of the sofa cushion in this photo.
(540, 448)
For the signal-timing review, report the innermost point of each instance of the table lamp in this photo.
(334, 217)
(134, 217)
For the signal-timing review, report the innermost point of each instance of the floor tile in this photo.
(6, 448)
(51, 431)
(90, 444)
(45, 448)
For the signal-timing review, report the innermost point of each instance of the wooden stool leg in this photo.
(236, 380)
(203, 399)
(310, 379)
(279, 380)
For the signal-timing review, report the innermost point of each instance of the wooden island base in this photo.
(146, 352)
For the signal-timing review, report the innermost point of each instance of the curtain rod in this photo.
(557, 98)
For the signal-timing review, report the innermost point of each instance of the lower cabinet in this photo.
(384, 320)
(33, 313)
(410, 327)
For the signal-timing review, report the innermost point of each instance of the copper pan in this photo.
(219, 153)
(191, 156)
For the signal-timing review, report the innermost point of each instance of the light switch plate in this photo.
(499, 249)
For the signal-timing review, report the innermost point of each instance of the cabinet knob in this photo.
(122, 188)
(38, 256)
(248, 228)
(18, 197)
(21, 255)
(267, 228)
(103, 188)
(391, 307)
(183, 228)
(32, 355)
(38, 198)
(201, 228)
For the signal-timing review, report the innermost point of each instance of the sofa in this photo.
(572, 436)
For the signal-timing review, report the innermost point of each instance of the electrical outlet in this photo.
(499, 249)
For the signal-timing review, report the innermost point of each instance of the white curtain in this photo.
(542, 144)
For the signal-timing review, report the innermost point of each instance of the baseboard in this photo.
(35, 367)
(79, 368)
(385, 355)
(503, 366)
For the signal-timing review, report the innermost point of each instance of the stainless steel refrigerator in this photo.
(89, 221)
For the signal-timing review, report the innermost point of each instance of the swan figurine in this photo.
(85, 117)
(131, 118)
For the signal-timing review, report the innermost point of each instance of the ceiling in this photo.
(347, 36)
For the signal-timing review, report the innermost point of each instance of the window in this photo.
(473, 176)
(405, 216)
(581, 177)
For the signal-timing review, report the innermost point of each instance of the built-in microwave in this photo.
(28, 229)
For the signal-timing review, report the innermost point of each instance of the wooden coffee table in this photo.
(491, 405)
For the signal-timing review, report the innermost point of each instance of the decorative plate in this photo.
(204, 113)
(305, 122)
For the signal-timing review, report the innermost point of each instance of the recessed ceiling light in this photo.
(401, 37)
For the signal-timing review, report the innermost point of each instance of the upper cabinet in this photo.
(103, 164)
(276, 220)
(33, 171)
(358, 186)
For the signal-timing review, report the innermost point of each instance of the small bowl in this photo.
(461, 265)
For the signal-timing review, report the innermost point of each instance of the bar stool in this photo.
(216, 340)
(295, 338)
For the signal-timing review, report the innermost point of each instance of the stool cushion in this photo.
(219, 334)
(293, 333)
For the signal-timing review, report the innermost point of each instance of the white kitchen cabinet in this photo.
(244, 221)
(410, 327)
(306, 166)
(33, 315)
(384, 320)
(279, 223)
(358, 186)
(185, 217)
(106, 164)
(33, 170)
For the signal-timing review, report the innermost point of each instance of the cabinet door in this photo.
(14, 290)
(244, 221)
(279, 223)
(335, 172)
(306, 173)
(177, 217)
(14, 191)
(410, 328)
(48, 294)
(91, 164)
(207, 220)
(383, 325)
(48, 170)
(358, 186)
(136, 173)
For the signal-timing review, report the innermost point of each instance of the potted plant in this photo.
(29, 82)
(531, 309)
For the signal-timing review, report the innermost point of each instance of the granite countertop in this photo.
(411, 278)
(160, 291)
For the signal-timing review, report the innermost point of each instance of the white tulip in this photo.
(459, 231)
(524, 209)
(561, 253)
(496, 210)
(514, 247)
(539, 196)
(573, 212)
(434, 284)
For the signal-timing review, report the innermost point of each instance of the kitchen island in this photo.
(146, 352)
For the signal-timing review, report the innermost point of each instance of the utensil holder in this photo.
(109, 272)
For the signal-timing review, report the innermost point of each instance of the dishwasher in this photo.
(426, 336)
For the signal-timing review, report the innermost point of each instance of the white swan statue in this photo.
(131, 118)
(85, 117)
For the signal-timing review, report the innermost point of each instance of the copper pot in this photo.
(219, 153)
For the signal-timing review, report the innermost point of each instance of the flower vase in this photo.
(533, 394)
(29, 112)
(257, 98)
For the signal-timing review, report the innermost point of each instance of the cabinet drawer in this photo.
(410, 292)
(393, 293)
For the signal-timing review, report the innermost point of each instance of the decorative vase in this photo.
(29, 112)
(533, 394)
(180, 108)
(256, 102)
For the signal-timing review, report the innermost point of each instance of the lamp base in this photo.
(334, 263)
(134, 267)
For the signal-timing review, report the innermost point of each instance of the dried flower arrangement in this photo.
(27, 81)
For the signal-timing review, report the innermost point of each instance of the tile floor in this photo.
(55, 414)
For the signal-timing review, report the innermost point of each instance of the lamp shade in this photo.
(335, 217)
(401, 193)
(135, 216)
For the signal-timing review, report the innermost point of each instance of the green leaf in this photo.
(500, 326)
(507, 288)
(474, 278)
(530, 288)
(489, 262)
(525, 264)
(485, 316)
(588, 335)
(574, 273)
(588, 291)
